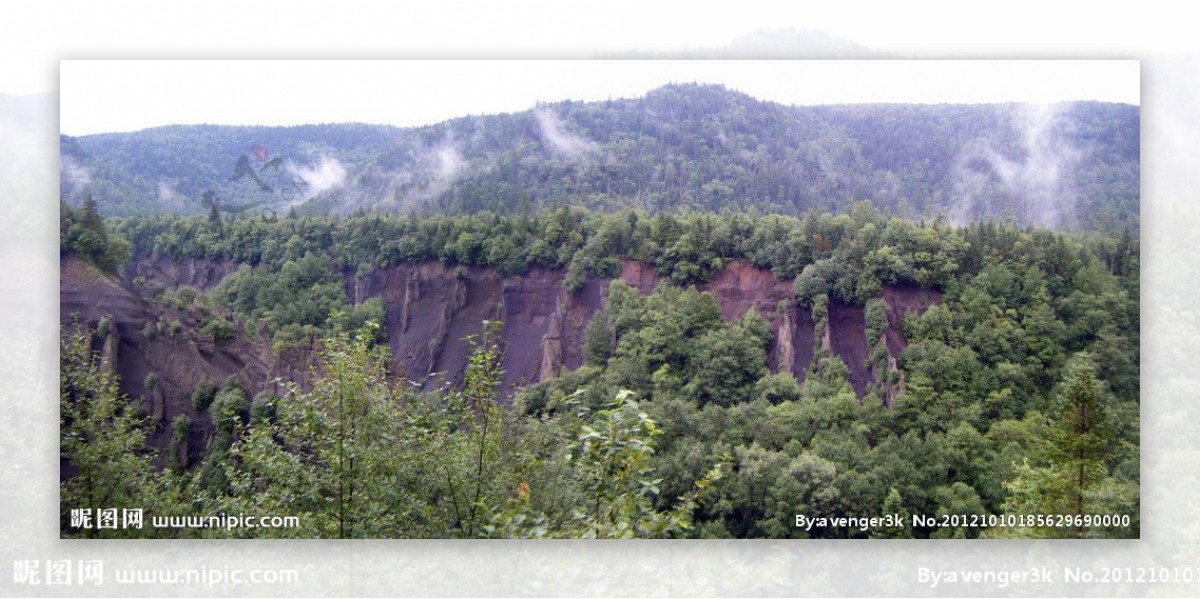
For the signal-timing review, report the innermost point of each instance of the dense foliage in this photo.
(82, 232)
(1018, 394)
(849, 256)
(1002, 410)
(679, 148)
(361, 455)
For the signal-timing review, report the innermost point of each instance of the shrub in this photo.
(203, 396)
(262, 407)
(219, 328)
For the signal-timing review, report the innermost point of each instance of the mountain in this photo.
(680, 147)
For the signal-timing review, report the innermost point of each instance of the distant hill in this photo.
(680, 147)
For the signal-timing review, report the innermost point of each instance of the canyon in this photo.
(432, 309)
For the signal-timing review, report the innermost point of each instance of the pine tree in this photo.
(894, 504)
(1082, 438)
(1074, 476)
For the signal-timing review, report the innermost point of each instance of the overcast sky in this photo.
(104, 96)
(35, 35)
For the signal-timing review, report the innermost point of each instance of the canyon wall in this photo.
(432, 310)
(179, 356)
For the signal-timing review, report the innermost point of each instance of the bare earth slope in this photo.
(431, 311)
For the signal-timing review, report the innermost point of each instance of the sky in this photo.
(35, 35)
(98, 96)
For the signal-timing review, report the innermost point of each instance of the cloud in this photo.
(562, 142)
(169, 199)
(75, 177)
(327, 175)
(450, 161)
(1031, 188)
(418, 174)
(439, 167)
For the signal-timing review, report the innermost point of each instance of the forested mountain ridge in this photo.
(678, 148)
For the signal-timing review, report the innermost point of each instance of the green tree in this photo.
(84, 232)
(875, 314)
(597, 340)
(1075, 473)
(893, 505)
(102, 441)
(181, 428)
(957, 499)
(726, 364)
(483, 418)
(203, 395)
(357, 457)
(228, 411)
(610, 457)
(330, 455)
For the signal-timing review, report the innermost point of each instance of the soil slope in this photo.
(431, 312)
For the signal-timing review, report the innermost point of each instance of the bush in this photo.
(234, 382)
(181, 427)
(203, 396)
(103, 327)
(219, 328)
(186, 295)
(777, 388)
(877, 320)
(293, 336)
(262, 407)
(228, 408)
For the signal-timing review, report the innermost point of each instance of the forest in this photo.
(680, 148)
(1014, 395)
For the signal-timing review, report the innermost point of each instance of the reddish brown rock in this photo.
(432, 311)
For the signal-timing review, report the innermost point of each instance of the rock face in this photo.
(902, 300)
(432, 312)
(179, 356)
(640, 276)
(741, 286)
(432, 308)
(190, 272)
(848, 340)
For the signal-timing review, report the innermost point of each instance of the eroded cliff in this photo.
(145, 338)
(432, 311)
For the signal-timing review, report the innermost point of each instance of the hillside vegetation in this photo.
(1015, 394)
(679, 148)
